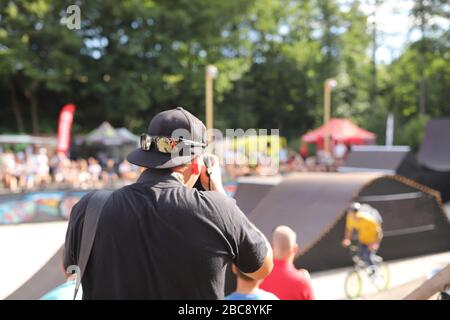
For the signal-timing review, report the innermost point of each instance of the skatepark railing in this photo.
(431, 286)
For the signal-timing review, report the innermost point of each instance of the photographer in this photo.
(161, 238)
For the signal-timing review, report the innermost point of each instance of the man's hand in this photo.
(346, 243)
(215, 176)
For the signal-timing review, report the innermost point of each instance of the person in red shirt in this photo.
(285, 281)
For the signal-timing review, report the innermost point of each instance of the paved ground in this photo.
(24, 249)
(406, 275)
(398, 292)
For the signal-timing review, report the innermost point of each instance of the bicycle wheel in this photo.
(353, 285)
(381, 278)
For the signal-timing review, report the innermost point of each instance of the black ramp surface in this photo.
(314, 204)
(309, 203)
(434, 151)
(250, 191)
(437, 180)
(382, 160)
(413, 222)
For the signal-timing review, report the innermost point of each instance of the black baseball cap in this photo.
(176, 123)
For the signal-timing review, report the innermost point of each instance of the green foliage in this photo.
(413, 131)
(133, 58)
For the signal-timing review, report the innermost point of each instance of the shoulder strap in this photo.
(91, 217)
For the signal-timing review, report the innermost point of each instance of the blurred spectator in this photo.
(56, 167)
(42, 168)
(295, 163)
(127, 171)
(109, 175)
(311, 163)
(30, 171)
(95, 171)
(285, 281)
(248, 289)
(26, 171)
(324, 158)
(19, 173)
(339, 151)
(304, 152)
(84, 177)
(9, 164)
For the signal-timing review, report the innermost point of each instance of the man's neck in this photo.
(287, 260)
(246, 287)
(178, 176)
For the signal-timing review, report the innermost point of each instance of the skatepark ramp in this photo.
(437, 283)
(251, 190)
(385, 159)
(434, 151)
(431, 167)
(314, 204)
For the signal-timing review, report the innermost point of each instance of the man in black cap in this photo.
(160, 238)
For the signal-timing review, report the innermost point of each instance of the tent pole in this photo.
(329, 85)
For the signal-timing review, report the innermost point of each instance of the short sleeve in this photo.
(251, 246)
(248, 243)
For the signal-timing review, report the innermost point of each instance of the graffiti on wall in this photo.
(49, 205)
(38, 206)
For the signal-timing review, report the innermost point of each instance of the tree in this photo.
(426, 13)
(38, 55)
(133, 58)
(401, 94)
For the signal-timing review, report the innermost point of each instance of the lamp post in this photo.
(330, 84)
(210, 74)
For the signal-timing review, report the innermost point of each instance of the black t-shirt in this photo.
(157, 239)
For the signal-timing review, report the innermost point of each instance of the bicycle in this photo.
(379, 275)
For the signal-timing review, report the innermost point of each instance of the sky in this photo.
(394, 25)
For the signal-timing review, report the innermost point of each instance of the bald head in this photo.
(284, 243)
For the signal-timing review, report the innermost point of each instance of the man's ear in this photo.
(195, 166)
(234, 268)
(180, 169)
(295, 249)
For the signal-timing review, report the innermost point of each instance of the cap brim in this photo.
(155, 159)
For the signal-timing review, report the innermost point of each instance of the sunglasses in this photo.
(166, 144)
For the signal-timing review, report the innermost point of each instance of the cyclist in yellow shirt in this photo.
(370, 233)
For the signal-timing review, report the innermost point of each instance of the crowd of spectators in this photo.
(28, 171)
(32, 170)
(239, 164)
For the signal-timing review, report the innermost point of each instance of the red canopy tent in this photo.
(340, 130)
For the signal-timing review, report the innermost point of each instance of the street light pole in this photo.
(210, 74)
(329, 85)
